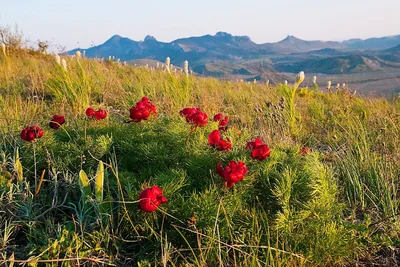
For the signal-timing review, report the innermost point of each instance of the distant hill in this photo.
(373, 43)
(223, 54)
(292, 44)
(391, 54)
(335, 65)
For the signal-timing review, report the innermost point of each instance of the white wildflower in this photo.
(168, 64)
(329, 85)
(57, 59)
(78, 54)
(64, 64)
(314, 79)
(3, 47)
(300, 78)
(186, 67)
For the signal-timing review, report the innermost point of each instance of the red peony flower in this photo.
(233, 173)
(223, 124)
(151, 198)
(218, 117)
(142, 111)
(260, 153)
(257, 142)
(215, 140)
(56, 121)
(199, 118)
(305, 151)
(90, 112)
(259, 150)
(187, 112)
(31, 133)
(100, 114)
(195, 116)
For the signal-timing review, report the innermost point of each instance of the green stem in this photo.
(192, 130)
(292, 111)
(34, 162)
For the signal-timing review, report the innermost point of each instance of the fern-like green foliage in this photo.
(318, 215)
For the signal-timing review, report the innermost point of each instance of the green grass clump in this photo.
(71, 197)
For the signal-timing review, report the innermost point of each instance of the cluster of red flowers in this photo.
(194, 116)
(98, 115)
(232, 173)
(142, 111)
(259, 150)
(56, 121)
(151, 198)
(223, 121)
(215, 140)
(31, 133)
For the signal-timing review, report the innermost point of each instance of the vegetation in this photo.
(71, 197)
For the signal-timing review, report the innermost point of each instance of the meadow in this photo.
(326, 194)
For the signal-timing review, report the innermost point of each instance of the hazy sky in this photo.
(83, 23)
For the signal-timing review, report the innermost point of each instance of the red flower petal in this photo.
(90, 112)
(151, 198)
(218, 117)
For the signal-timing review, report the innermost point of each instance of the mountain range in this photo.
(225, 55)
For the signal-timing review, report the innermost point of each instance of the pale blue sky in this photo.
(82, 23)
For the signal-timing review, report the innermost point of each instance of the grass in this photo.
(70, 198)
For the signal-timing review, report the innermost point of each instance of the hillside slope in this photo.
(132, 181)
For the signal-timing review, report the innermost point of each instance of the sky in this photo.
(84, 23)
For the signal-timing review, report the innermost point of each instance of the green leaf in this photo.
(99, 181)
(84, 184)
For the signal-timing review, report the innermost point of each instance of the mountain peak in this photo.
(290, 39)
(223, 34)
(114, 38)
(150, 38)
